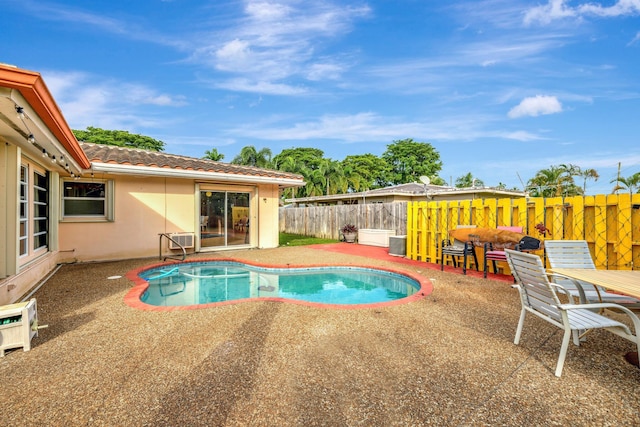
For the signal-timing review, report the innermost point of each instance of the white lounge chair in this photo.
(538, 296)
(575, 254)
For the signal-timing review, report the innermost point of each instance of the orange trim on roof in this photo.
(32, 87)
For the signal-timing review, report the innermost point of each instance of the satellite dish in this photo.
(425, 180)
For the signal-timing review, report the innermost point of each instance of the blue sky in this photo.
(501, 88)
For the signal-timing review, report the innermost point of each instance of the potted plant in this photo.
(349, 231)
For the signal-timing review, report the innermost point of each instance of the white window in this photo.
(40, 210)
(87, 200)
(24, 210)
(33, 235)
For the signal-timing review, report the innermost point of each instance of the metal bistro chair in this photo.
(458, 249)
(496, 255)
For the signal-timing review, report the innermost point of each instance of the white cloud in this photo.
(555, 9)
(619, 8)
(259, 86)
(279, 40)
(559, 9)
(87, 101)
(535, 106)
(375, 128)
(521, 135)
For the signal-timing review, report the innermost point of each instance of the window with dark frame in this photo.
(84, 199)
(40, 210)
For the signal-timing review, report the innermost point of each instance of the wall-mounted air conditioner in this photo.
(186, 240)
(398, 245)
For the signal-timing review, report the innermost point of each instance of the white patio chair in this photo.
(538, 296)
(575, 254)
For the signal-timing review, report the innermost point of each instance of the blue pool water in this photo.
(214, 281)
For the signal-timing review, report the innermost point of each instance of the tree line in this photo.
(402, 162)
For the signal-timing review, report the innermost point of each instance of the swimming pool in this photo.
(204, 283)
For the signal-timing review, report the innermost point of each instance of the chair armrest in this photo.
(634, 318)
(583, 296)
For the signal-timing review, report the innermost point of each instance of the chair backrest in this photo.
(515, 229)
(535, 289)
(569, 254)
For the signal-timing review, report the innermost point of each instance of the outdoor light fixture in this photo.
(53, 159)
(31, 138)
(44, 153)
(20, 112)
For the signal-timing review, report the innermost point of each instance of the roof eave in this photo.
(32, 87)
(193, 174)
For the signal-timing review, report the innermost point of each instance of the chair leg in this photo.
(523, 312)
(563, 351)
(464, 263)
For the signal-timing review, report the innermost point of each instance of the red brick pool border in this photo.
(132, 299)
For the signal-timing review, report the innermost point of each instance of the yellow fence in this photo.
(609, 223)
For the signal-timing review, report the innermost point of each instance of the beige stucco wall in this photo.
(147, 206)
(268, 211)
(18, 285)
(20, 274)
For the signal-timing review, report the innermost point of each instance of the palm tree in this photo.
(213, 154)
(545, 182)
(588, 174)
(631, 183)
(249, 156)
(333, 175)
(315, 184)
(555, 181)
(468, 180)
(290, 164)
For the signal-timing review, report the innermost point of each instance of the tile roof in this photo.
(111, 154)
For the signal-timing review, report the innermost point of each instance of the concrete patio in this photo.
(448, 359)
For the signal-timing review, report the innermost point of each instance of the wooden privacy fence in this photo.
(609, 223)
(326, 221)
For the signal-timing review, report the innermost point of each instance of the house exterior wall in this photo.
(268, 216)
(144, 207)
(19, 274)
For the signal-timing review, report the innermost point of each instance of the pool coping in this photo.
(132, 298)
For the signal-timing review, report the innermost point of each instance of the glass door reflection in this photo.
(224, 219)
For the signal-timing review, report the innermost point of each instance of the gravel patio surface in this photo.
(448, 359)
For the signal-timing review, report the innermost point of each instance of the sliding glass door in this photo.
(224, 218)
